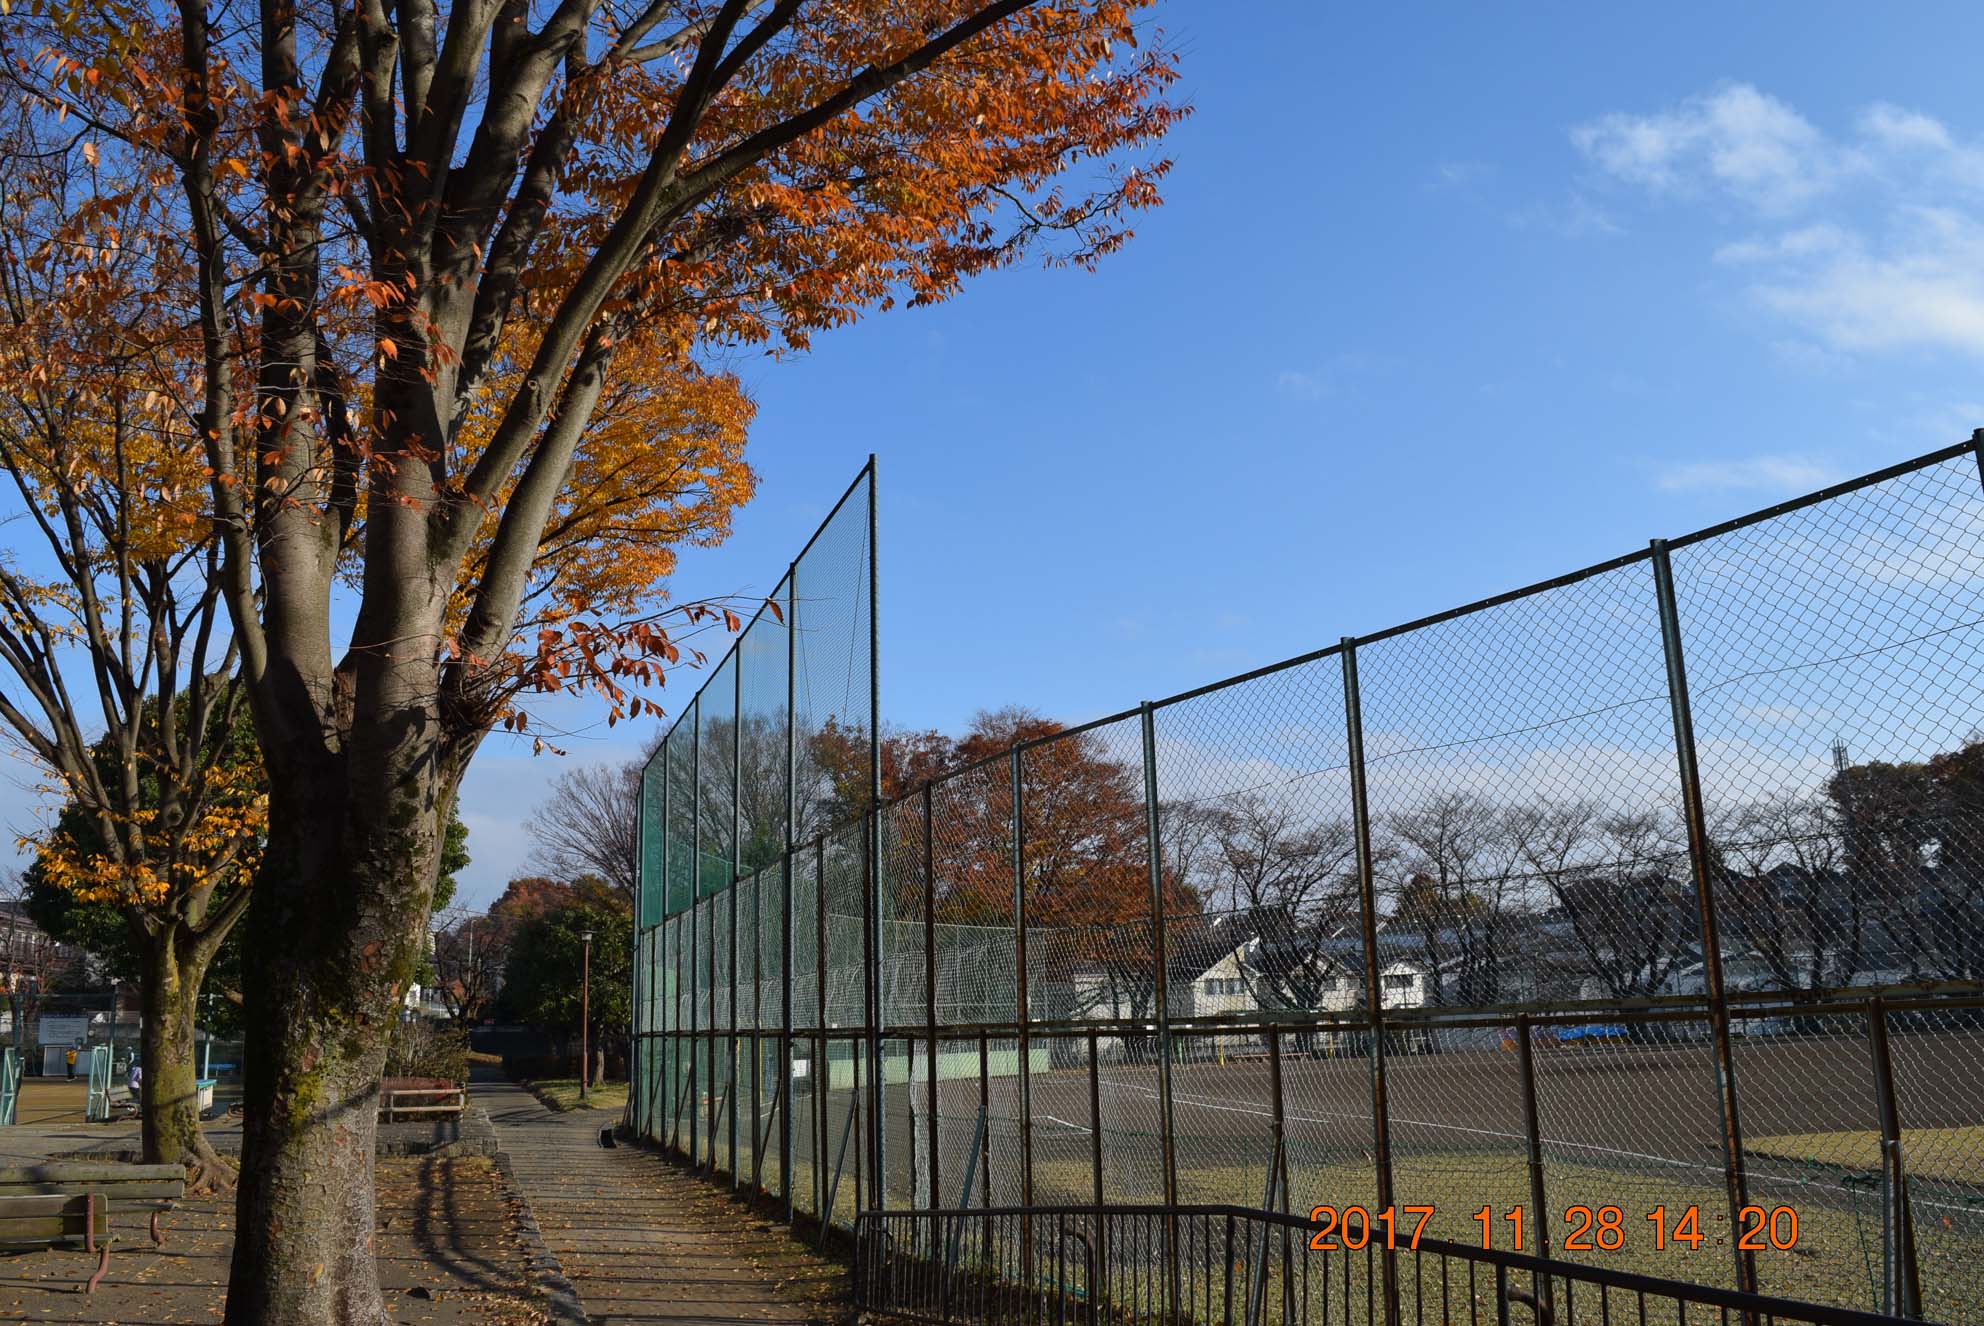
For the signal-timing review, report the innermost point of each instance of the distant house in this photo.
(30, 961)
(1222, 989)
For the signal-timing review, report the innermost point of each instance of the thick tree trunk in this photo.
(333, 942)
(170, 998)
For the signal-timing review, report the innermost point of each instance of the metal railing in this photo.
(1235, 1266)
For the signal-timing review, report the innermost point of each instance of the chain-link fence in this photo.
(1637, 916)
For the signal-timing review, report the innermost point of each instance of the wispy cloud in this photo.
(1875, 237)
(1920, 285)
(1749, 474)
(1303, 385)
(1460, 174)
(1333, 375)
(1736, 138)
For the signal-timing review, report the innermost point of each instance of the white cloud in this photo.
(1900, 129)
(1897, 265)
(1743, 141)
(1805, 242)
(1920, 287)
(1772, 473)
(1576, 218)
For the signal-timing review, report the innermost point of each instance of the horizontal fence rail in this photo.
(1655, 887)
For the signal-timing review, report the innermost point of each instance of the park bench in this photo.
(71, 1203)
(406, 1098)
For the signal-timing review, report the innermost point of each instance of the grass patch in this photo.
(562, 1093)
(1950, 1154)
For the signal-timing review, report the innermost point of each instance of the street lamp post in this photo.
(585, 1016)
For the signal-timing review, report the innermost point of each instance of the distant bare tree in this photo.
(1295, 879)
(1620, 880)
(590, 825)
(1786, 897)
(470, 950)
(1457, 884)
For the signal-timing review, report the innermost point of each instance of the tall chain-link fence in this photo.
(1637, 916)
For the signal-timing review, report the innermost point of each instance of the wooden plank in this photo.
(41, 1220)
(32, 1231)
(39, 1206)
(112, 1192)
(88, 1171)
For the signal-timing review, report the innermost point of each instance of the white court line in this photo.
(1200, 1102)
(1066, 1124)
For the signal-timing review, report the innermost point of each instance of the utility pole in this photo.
(585, 1016)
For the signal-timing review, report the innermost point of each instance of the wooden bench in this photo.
(405, 1098)
(70, 1202)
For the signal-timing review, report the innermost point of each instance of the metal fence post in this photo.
(875, 838)
(1167, 1134)
(736, 870)
(985, 1116)
(637, 1015)
(730, 1034)
(717, 1095)
(697, 1085)
(1702, 857)
(930, 991)
(822, 1074)
(703, 1073)
(757, 1028)
(1367, 891)
(785, 1032)
(1024, 1012)
(785, 1133)
(872, 995)
(677, 1075)
(1533, 1142)
(1902, 1286)
(671, 988)
(1095, 1117)
(1280, 1109)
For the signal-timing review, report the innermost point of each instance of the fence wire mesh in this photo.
(1424, 918)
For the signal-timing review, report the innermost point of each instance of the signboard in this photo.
(62, 1030)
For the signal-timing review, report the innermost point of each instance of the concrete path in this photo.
(643, 1240)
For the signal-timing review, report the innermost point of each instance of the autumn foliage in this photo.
(1084, 862)
(433, 314)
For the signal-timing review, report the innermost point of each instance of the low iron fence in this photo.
(1239, 1266)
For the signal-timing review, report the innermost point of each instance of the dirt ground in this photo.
(449, 1254)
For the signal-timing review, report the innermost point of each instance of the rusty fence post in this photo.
(1902, 1285)
(930, 994)
(1367, 892)
(1160, 961)
(1702, 857)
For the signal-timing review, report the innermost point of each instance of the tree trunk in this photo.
(169, 996)
(332, 944)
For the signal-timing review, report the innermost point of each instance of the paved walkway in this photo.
(643, 1240)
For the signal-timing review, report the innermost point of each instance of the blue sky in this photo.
(1444, 300)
